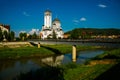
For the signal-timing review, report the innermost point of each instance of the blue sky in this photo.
(24, 15)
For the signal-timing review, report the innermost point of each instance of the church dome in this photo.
(47, 11)
(56, 20)
(56, 23)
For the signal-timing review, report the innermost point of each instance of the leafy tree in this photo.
(12, 35)
(49, 36)
(75, 34)
(23, 36)
(1, 35)
(6, 34)
(30, 37)
(54, 35)
(34, 36)
(88, 32)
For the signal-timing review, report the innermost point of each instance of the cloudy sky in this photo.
(25, 15)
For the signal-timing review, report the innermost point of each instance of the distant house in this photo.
(66, 36)
(4, 27)
(105, 37)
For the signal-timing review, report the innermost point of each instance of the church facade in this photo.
(51, 28)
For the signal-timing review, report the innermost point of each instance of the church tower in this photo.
(47, 19)
(50, 26)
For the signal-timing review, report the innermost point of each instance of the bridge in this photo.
(91, 42)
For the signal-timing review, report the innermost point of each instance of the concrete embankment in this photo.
(14, 44)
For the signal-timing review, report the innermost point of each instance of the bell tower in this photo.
(47, 19)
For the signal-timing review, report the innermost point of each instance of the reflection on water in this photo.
(10, 69)
(53, 60)
(82, 56)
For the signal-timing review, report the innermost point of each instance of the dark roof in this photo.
(56, 19)
(48, 11)
(46, 29)
(6, 26)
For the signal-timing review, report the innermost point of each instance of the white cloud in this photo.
(83, 19)
(34, 31)
(102, 6)
(76, 21)
(22, 32)
(25, 14)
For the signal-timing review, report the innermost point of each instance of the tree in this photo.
(6, 35)
(12, 35)
(30, 37)
(34, 36)
(54, 35)
(23, 36)
(75, 34)
(1, 35)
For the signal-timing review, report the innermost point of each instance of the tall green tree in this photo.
(54, 35)
(34, 36)
(23, 36)
(6, 34)
(12, 35)
(1, 35)
(75, 34)
(30, 37)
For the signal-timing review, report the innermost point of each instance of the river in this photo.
(13, 68)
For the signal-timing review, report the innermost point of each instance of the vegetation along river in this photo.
(10, 69)
(13, 68)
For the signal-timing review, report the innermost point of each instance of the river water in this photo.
(9, 69)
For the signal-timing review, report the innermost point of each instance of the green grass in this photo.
(88, 71)
(85, 72)
(23, 52)
(71, 71)
(45, 50)
(112, 54)
(68, 48)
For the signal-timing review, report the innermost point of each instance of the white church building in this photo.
(51, 27)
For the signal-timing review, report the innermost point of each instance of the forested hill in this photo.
(93, 32)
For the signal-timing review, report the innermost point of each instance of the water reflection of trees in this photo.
(50, 72)
(4, 64)
(14, 67)
(44, 73)
(53, 60)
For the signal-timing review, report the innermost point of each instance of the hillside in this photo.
(88, 32)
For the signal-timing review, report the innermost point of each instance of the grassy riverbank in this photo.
(91, 70)
(44, 50)
(104, 70)
(98, 68)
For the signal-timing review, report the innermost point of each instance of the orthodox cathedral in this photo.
(51, 28)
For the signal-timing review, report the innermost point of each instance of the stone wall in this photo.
(14, 44)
